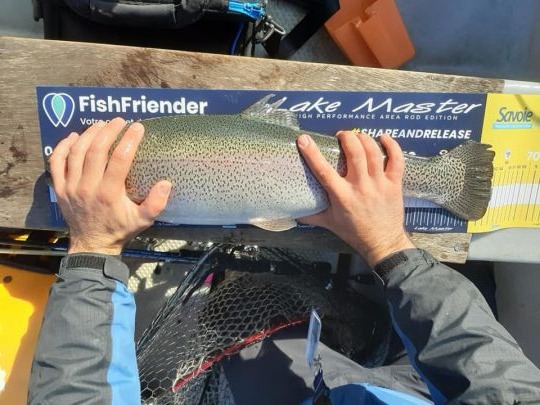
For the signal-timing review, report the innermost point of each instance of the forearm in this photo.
(86, 352)
(451, 335)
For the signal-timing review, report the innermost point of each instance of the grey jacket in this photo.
(86, 352)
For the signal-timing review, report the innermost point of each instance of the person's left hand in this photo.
(91, 191)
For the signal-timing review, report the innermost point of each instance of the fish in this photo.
(246, 169)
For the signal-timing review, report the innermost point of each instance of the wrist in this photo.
(376, 253)
(79, 247)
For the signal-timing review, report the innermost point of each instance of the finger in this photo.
(374, 155)
(58, 162)
(122, 157)
(98, 153)
(156, 201)
(321, 169)
(77, 154)
(395, 167)
(354, 153)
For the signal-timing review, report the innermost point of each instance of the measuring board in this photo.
(425, 124)
(512, 126)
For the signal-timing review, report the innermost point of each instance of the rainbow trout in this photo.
(246, 169)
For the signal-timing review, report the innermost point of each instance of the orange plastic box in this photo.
(371, 33)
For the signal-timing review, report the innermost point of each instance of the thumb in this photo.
(318, 219)
(156, 200)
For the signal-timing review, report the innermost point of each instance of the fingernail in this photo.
(341, 134)
(165, 188)
(303, 141)
(137, 127)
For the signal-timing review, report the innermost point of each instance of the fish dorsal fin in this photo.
(270, 113)
(274, 224)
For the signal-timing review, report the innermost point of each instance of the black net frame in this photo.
(236, 296)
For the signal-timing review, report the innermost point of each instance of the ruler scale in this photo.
(520, 188)
(537, 219)
(512, 126)
(529, 202)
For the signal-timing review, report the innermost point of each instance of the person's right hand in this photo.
(366, 204)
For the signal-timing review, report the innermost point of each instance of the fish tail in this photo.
(476, 160)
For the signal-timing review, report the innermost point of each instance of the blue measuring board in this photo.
(425, 124)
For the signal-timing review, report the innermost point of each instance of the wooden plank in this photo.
(26, 63)
(445, 247)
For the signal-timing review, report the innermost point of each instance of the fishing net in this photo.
(226, 304)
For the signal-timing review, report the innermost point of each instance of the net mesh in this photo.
(218, 311)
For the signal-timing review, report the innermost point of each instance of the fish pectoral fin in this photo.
(274, 224)
(270, 113)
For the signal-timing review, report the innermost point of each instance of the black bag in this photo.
(191, 25)
(147, 13)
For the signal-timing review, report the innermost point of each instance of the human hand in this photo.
(366, 204)
(91, 192)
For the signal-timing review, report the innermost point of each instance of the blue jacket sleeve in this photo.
(86, 349)
(451, 335)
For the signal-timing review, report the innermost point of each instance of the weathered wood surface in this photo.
(445, 247)
(27, 63)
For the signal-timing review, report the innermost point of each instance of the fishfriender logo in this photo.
(59, 108)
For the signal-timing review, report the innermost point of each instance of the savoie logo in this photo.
(514, 119)
(59, 108)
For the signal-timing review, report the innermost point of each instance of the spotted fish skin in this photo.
(459, 180)
(246, 169)
(226, 169)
